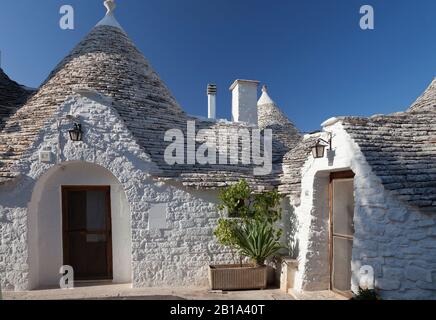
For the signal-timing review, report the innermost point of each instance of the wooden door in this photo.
(87, 232)
(341, 230)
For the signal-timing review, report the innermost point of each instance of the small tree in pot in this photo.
(251, 226)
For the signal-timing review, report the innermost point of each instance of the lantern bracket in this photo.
(318, 150)
(328, 142)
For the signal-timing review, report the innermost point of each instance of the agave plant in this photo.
(257, 240)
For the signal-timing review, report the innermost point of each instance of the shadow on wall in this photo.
(290, 227)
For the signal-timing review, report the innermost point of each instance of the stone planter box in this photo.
(235, 277)
(289, 269)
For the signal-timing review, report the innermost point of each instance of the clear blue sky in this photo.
(312, 54)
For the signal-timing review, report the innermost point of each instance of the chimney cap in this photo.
(237, 81)
(211, 89)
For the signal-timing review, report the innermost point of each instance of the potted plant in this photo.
(250, 231)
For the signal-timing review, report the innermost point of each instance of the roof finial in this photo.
(109, 18)
(265, 98)
(110, 6)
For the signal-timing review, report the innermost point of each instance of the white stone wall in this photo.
(14, 271)
(45, 222)
(397, 241)
(177, 255)
(312, 211)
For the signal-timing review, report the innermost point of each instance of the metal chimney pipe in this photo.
(211, 97)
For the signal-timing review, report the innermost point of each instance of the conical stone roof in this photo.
(427, 101)
(12, 96)
(271, 117)
(108, 62)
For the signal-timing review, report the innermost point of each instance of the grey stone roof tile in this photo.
(12, 96)
(293, 163)
(285, 135)
(427, 101)
(107, 62)
(401, 150)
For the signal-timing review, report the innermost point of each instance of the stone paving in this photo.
(318, 295)
(125, 292)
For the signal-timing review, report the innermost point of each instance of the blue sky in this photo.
(312, 54)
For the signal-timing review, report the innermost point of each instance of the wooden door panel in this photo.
(87, 232)
(342, 264)
(343, 207)
(89, 260)
(341, 230)
(76, 205)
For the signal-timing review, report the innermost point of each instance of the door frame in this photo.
(340, 175)
(65, 238)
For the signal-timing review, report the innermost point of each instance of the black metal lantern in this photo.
(318, 150)
(76, 133)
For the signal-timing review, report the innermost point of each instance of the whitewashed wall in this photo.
(244, 102)
(397, 241)
(313, 213)
(45, 227)
(177, 255)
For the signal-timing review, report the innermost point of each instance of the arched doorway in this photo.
(80, 215)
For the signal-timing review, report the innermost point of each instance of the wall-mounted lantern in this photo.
(76, 133)
(318, 150)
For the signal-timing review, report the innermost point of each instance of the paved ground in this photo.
(125, 292)
(318, 295)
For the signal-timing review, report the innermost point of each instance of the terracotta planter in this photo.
(235, 277)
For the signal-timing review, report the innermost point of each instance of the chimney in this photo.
(244, 101)
(211, 98)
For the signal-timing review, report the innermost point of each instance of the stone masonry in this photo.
(177, 255)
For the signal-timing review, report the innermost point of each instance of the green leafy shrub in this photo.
(235, 200)
(224, 232)
(251, 228)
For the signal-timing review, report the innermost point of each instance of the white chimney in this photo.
(211, 99)
(244, 101)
